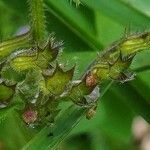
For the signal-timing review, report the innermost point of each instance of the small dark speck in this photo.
(144, 35)
(50, 134)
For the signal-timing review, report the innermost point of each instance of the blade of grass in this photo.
(119, 10)
(75, 21)
(134, 100)
(50, 137)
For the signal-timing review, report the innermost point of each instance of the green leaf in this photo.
(8, 25)
(82, 27)
(118, 10)
(19, 135)
(141, 83)
(134, 101)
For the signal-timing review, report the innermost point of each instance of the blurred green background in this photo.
(86, 30)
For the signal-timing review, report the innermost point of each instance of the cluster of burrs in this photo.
(33, 77)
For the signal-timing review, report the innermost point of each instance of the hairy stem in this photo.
(37, 18)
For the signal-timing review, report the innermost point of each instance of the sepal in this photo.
(57, 83)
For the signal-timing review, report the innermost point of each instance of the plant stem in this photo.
(37, 17)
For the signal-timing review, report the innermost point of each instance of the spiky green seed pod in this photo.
(115, 61)
(34, 58)
(57, 83)
(112, 64)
